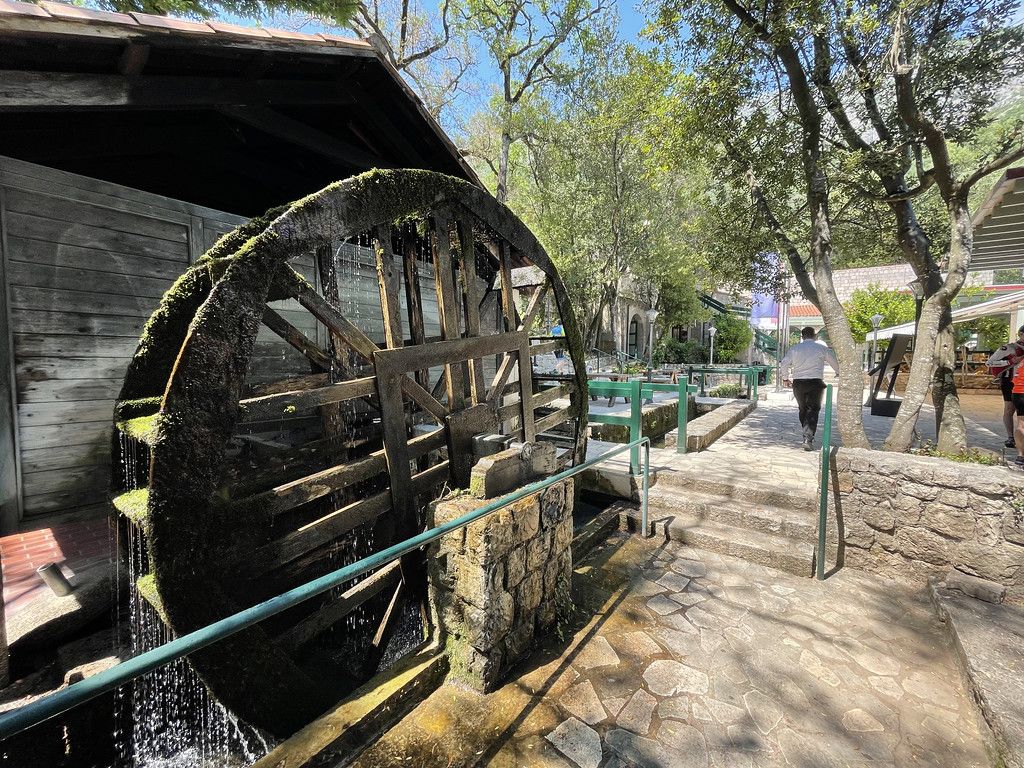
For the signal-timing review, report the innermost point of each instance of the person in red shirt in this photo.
(1017, 398)
(1001, 365)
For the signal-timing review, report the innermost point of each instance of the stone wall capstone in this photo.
(918, 516)
(503, 581)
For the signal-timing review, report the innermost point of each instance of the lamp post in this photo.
(969, 346)
(652, 315)
(876, 321)
(712, 331)
(917, 288)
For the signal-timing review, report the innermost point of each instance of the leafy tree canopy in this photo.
(895, 307)
(732, 337)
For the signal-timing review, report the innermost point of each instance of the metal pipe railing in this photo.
(826, 461)
(55, 704)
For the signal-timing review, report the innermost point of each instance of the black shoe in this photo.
(1017, 463)
(808, 446)
(1010, 443)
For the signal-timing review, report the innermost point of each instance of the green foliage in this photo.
(895, 307)
(1008, 277)
(732, 338)
(969, 456)
(337, 12)
(674, 352)
(728, 390)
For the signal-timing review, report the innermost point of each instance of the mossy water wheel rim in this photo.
(194, 357)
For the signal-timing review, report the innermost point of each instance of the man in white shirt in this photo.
(807, 362)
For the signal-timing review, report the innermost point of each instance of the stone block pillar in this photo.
(502, 582)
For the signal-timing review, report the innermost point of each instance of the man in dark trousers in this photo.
(807, 361)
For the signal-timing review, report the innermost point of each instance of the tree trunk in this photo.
(949, 420)
(850, 397)
(506, 145)
(940, 352)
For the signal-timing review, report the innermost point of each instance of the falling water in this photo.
(167, 717)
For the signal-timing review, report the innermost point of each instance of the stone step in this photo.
(701, 478)
(798, 524)
(766, 549)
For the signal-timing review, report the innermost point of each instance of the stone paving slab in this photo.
(705, 660)
(989, 639)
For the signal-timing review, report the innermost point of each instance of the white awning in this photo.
(1001, 306)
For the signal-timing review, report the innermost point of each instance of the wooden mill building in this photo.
(128, 145)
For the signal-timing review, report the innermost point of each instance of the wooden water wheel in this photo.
(260, 479)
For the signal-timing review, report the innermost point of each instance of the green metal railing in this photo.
(62, 701)
(826, 461)
(748, 375)
(637, 391)
(631, 391)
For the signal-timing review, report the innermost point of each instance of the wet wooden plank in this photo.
(471, 304)
(339, 607)
(296, 339)
(276, 405)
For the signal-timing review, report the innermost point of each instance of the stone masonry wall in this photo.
(917, 516)
(503, 581)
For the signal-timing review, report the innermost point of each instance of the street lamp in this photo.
(876, 321)
(917, 288)
(652, 315)
(712, 331)
(969, 346)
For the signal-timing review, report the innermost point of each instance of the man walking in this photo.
(807, 361)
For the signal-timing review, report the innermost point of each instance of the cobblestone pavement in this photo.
(713, 661)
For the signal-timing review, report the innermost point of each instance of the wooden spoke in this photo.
(315, 486)
(447, 306)
(296, 339)
(526, 390)
(289, 384)
(508, 302)
(552, 420)
(548, 396)
(508, 364)
(413, 299)
(275, 406)
(471, 302)
(325, 312)
(388, 284)
(548, 346)
(340, 607)
(536, 302)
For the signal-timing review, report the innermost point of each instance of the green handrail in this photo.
(683, 419)
(826, 460)
(57, 703)
(634, 421)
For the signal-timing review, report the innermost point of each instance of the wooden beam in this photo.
(275, 406)
(339, 607)
(526, 391)
(471, 302)
(548, 346)
(290, 384)
(296, 339)
(447, 306)
(61, 90)
(452, 350)
(536, 302)
(552, 420)
(508, 303)
(303, 135)
(549, 395)
(133, 59)
(413, 299)
(387, 284)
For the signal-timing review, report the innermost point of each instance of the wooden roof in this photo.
(235, 118)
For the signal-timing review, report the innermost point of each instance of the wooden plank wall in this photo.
(86, 263)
